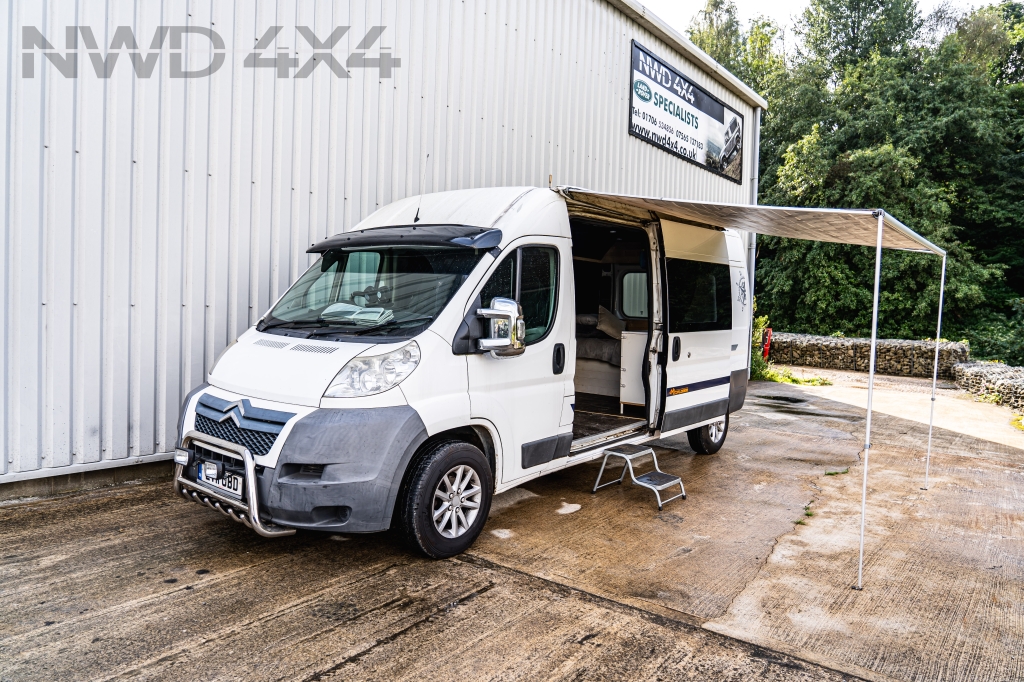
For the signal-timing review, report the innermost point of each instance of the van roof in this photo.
(472, 207)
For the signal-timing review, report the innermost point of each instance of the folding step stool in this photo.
(656, 480)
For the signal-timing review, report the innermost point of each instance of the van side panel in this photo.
(742, 309)
(699, 356)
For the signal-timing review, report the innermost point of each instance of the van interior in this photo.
(611, 264)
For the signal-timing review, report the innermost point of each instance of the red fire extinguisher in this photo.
(766, 341)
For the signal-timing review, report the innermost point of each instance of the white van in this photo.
(456, 345)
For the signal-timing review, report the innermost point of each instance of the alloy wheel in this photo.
(457, 501)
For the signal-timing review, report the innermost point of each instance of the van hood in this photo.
(282, 369)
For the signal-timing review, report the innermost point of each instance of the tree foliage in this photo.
(842, 33)
(878, 107)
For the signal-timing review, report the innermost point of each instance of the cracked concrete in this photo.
(132, 582)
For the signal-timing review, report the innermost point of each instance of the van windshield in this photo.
(394, 291)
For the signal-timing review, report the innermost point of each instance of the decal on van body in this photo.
(742, 298)
(697, 386)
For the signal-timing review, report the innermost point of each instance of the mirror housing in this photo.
(507, 328)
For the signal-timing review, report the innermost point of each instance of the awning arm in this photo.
(935, 374)
(910, 234)
(871, 395)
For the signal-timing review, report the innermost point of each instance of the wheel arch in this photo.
(476, 435)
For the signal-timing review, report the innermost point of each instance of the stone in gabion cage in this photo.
(992, 377)
(895, 356)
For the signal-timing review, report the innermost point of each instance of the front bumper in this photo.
(359, 456)
(247, 511)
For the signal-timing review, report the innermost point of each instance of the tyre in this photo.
(708, 439)
(446, 499)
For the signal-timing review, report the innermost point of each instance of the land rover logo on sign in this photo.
(642, 90)
(675, 114)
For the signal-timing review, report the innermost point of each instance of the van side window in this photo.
(699, 296)
(538, 290)
(634, 294)
(502, 282)
(532, 273)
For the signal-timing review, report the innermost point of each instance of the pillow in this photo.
(609, 324)
(587, 319)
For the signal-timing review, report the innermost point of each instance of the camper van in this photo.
(452, 346)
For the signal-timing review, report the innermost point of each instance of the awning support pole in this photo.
(871, 395)
(935, 374)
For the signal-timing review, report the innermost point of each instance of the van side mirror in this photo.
(507, 328)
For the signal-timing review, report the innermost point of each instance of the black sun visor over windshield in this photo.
(410, 235)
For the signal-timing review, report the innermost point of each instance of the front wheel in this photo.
(447, 499)
(708, 439)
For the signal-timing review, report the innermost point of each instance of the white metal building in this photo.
(166, 165)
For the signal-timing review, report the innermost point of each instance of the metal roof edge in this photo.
(643, 16)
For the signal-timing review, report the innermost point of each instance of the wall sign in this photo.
(675, 114)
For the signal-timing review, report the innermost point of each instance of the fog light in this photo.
(182, 457)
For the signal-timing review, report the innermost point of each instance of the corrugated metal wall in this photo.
(149, 221)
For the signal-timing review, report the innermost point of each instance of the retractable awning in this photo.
(837, 225)
(861, 227)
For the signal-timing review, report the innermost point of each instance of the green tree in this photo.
(880, 108)
(755, 56)
(928, 128)
(838, 33)
(1011, 70)
(716, 30)
(762, 61)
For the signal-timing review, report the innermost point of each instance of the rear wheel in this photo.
(708, 439)
(447, 499)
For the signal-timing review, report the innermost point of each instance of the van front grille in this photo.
(258, 442)
(240, 422)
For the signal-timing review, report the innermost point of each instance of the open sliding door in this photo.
(697, 351)
(699, 294)
(654, 364)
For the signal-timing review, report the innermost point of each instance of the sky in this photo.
(679, 13)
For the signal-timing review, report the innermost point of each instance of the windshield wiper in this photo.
(304, 324)
(274, 325)
(393, 323)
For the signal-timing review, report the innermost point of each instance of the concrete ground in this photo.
(747, 578)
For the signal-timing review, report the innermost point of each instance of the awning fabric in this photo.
(838, 225)
(842, 226)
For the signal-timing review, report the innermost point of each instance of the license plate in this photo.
(230, 483)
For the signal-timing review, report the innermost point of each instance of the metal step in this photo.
(658, 480)
(629, 451)
(621, 432)
(655, 481)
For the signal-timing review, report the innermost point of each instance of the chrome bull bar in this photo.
(247, 514)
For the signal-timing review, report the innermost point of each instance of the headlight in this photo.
(375, 373)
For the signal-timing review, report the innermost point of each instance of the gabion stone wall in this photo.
(895, 356)
(992, 378)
